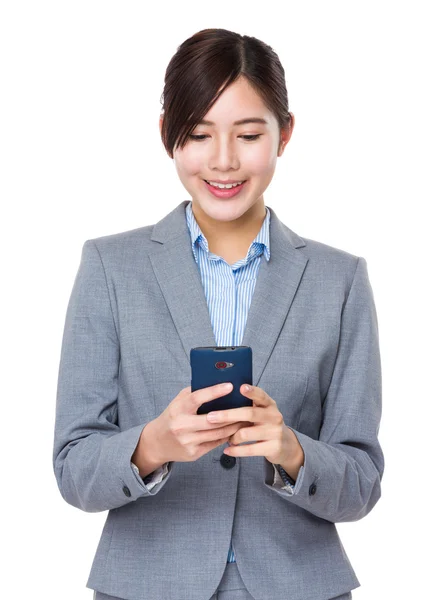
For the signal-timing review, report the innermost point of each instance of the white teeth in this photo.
(224, 186)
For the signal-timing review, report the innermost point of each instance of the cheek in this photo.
(260, 164)
(189, 164)
(260, 160)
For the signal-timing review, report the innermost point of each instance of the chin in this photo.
(224, 210)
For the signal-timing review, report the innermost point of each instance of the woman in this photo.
(245, 506)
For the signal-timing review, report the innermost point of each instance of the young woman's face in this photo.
(225, 151)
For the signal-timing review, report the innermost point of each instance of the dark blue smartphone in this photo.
(217, 364)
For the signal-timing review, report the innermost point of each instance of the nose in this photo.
(223, 156)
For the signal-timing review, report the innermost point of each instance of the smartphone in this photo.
(211, 365)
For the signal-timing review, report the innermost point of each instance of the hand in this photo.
(181, 435)
(274, 440)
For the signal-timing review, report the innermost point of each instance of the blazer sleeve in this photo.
(91, 455)
(343, 468)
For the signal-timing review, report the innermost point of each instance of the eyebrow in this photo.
(240, 122)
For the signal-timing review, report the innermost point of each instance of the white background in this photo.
(81, 157)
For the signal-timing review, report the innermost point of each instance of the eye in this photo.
(251, 138)
(248, 138)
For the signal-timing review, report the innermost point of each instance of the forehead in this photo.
(238, 105)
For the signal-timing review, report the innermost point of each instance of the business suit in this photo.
(136, 310)
(228, 290)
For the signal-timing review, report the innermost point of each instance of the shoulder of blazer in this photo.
(114, 244)
(124, 236)
(328, 263)
(316, 249)
(324, 257)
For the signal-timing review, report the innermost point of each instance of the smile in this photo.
(224, 192)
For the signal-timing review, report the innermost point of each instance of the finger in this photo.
(256, 433)
(244, 413)
(255, 414)
(255, 449)
(207, 394)
(257, 395)
(204, 424)
(223, 433)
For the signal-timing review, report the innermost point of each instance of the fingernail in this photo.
(212, 416)
(247, 388)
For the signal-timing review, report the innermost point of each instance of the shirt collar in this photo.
(197, 237)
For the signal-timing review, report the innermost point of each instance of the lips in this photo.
(226, 182)
(224, 192)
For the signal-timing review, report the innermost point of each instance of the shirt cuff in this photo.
(283, 481)
(154, 478)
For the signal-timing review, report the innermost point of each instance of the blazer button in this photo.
(228, 462)
(126, 491)
(312, 489)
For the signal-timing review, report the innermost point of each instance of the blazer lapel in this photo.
(179, 279)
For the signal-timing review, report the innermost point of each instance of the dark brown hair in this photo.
(209, 60)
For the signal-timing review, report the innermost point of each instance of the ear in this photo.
(286, 134)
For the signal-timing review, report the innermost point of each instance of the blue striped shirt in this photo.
(229, 291)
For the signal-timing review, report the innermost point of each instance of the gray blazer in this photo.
(136, 309)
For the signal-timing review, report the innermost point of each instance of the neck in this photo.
(238, 233)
